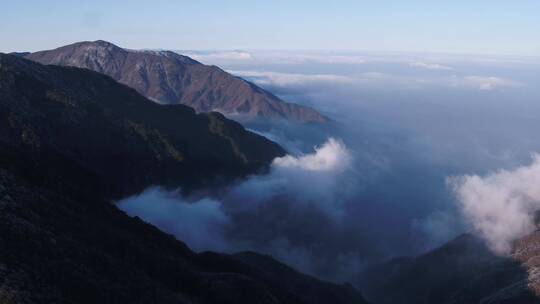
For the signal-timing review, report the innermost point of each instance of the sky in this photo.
(460, 26)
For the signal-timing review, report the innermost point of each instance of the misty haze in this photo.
(377, 174)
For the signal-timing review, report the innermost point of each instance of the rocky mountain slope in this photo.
(70, 139)
(170, 78)
(461, 271)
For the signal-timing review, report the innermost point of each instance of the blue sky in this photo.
(481, 26)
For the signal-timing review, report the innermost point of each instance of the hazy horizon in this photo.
(480, 27)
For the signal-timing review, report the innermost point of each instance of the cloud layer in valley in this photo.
(200, 224)
(380, 191)
(315, 180)
(281, 209)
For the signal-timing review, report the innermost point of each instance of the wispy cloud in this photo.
(291, 79)
(330, 59)
(490, 83)
(431, 61)
(219, 56)
(278, 80)
(274, 57)
(429, 66)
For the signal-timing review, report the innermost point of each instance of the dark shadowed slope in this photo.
(62, 249)
(126, 140)
(462, 271)
(308, 288)
(71, 138)
(170, 78)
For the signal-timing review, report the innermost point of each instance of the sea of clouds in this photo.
(421, 148)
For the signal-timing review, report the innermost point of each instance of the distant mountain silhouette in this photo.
(169, 78)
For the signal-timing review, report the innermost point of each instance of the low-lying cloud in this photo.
(300, 83)
(315, 180)
(291, 79)
(286, 206)
(200, 224)
(500, 206)
(332, 156)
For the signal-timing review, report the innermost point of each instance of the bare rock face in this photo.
(169, 78)
(527, 252)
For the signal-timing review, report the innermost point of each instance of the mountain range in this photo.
(169, 78)
(72, 140)
(120, 136)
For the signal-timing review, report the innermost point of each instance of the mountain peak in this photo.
(103, 42)
(170, 78)
(94, 44)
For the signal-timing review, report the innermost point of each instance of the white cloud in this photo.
(500, 206)
(325, 171)
(489, 83)
(429, 66)
(318, 179)
(316, 82)
(332, 156)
